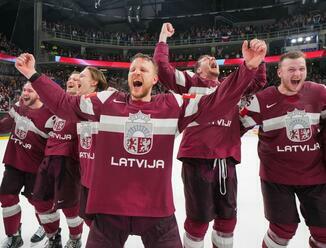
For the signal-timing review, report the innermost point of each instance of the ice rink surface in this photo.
(251, 225)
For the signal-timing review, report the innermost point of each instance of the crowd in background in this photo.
(11, 82)
(221, 31)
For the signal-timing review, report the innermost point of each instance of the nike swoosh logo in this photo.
(117, 101)
(271, 105)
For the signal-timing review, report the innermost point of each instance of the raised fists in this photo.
(254, 52)
(166, 32)
(25, 64)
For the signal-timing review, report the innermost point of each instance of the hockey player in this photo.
(208, 169)
(131, 191)
(289, 148)
(91, 80)
(57, 184)
(25, 150)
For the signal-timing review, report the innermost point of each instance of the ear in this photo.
(94, 83)
(279, 72)
(155, 80)
(198, 70)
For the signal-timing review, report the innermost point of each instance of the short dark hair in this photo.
(98, 76)
(145, 57)
(291, 55)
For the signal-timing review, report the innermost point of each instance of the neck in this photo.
(143, 99)
(36, 105)
(284, 91)
(209, 77)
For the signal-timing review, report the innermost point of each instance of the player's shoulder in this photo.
(314, 86)
(104, 95)
(169, 98)
(268, 91)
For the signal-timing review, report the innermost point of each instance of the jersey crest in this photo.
(59, 124)
(298, 126)
(138, 135)
(22, 127)
(86, 135)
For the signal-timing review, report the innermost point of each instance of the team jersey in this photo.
(219, 138)
(87, 132)
(25, 148)
(289, 145)
(134, 144)
(63, 139)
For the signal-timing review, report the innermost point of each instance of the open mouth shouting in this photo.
(137, 84)
(295, 82)
(213, 65)
(26, 99)
(70, 86)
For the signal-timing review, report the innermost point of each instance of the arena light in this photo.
(293, 41)
(308, 39)
(300, 39)
(97, 3)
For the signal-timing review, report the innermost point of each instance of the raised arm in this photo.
(73, 108)
(205, 109)
(235, 85)
(259, 82)
(208, 108)
(169, 76)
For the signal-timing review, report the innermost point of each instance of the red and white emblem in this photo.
(86, 135)
(138, 135)
(59, 124)
(298, 126)
(22, 127)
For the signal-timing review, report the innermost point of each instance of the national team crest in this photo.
(59, 124)
(22, 127)
(138, 136)
(86, 135)
(298, 126)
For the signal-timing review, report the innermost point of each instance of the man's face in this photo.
(141, 78)
(73, 84)
(29, 96)
(293, 73)
(87, 83)
(208, 68)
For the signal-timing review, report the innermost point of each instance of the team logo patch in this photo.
(59, 124)
(86, 135)
(138, 135)
(22, 127)
(298, 126)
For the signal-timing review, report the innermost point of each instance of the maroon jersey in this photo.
(219, 138)
(289, 145)
(87, 132)
(134, 145)
(25, 148)
(63, 139)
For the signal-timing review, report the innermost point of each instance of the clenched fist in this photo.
(25, 64)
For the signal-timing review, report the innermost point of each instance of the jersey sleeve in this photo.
(206, 108)
(258, 82)
(172, 78)
(250, 115)
(67, 107)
